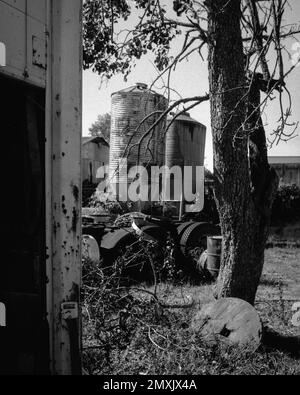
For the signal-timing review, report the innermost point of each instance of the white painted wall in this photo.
(23, 31)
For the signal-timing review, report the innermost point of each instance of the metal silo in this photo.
(130, 107)
(184, 145)
(185, 142)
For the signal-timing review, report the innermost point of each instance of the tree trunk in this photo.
(241, 180)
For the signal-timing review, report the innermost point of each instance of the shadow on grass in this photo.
(276, 341)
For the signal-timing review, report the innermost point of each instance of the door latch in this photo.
(69, 310)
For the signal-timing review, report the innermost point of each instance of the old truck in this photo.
(177, 145)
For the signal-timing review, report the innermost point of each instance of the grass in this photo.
(281, 274)
(130, 333)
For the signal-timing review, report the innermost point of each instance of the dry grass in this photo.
(140, 337)
(281, 275)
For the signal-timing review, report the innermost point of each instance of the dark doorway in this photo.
(24, 340)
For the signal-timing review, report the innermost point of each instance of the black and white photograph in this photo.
(150, 218)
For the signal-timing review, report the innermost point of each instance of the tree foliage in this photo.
(286, 206)
(113, 42)
(106, 53)
(101, 127)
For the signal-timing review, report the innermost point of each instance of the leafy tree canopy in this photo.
(107, 54)
(101, 127)
(112, 45)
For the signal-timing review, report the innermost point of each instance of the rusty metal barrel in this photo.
(214, 251)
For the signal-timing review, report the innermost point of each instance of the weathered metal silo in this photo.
(130, 107)
(184, 146)
(185, 142)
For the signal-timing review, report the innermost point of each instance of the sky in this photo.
(191, 79)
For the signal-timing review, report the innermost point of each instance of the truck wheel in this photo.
(113, 244)
(157, 233)
(193, 241)
(182, 227)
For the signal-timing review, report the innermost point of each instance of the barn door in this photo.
(24, 331)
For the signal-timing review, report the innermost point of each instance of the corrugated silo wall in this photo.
(129, 109)
(185, 144)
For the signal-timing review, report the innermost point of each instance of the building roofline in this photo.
(95, 139)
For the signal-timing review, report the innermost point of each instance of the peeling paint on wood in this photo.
(64, 77)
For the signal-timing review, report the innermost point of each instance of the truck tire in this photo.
(195, 236)
(182, 227)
